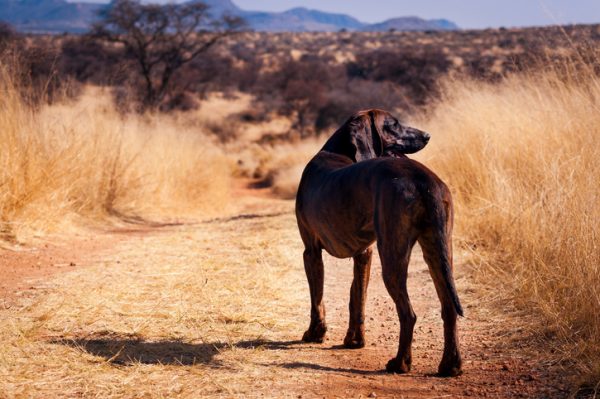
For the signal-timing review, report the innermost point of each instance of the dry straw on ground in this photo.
(83, 159)
(184, 313)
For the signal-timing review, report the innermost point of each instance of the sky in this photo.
(468, 14)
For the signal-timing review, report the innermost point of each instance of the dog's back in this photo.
(337, 200)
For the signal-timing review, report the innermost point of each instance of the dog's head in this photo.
(375, 133)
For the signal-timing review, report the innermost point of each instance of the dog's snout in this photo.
(426, 136)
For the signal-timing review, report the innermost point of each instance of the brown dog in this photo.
(360, 188)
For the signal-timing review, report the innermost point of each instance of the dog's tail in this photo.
(437, 250)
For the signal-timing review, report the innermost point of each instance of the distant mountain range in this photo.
(54, 16)
(58, 16)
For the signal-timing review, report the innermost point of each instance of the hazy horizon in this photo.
(468, 14)
(465, 13)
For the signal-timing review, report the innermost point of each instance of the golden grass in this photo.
(167, 315)
(84, 159)
(279, 166)
(522, 160)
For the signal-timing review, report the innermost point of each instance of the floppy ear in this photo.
(377, 121)
(365, 138)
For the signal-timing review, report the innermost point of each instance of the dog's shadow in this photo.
(130, 351)
(127, 351)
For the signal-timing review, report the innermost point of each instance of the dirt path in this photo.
(216, 309)
(23, 265)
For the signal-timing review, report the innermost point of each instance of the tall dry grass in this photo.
(522, 158)
(69, 161)
(277, 166)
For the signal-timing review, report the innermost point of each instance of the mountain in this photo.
(57, 16)
(411, 24)
(49, 16)
(300, 20)
(220, 7)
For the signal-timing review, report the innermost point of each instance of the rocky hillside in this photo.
(57, 16)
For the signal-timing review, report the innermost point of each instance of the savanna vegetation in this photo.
(522, 157)
(513, 114)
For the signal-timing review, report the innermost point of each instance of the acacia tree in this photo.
(162, 38)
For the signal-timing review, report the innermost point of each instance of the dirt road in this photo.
(216, 308)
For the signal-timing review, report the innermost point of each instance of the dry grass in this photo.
(168, 315)
(279, 166)
(83, 159)
(520, 156)
(522, 160)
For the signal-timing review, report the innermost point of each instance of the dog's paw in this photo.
(354, 344)
(354, 340)
(315, 333)
(398, 366)
(445, 370)
(450, 366)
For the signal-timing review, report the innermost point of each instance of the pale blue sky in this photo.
(466, 13)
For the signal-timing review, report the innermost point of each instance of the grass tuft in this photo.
(78, 160)
(522, 160)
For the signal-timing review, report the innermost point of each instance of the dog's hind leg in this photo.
(313, 265)
(436, 242)
(395, 257)
(396, 236)
(355, 337)
(438, 256)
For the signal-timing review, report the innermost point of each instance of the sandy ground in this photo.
(216, 308)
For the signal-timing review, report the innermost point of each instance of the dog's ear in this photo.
(365, 137)
(377, 123)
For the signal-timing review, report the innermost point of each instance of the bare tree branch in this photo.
(163, 38)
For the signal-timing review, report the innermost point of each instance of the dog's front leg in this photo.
(313, 265)
(355, 337)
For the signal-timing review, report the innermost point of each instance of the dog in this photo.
(361, 188)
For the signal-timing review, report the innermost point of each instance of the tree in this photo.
(162, 38)
(7, 35)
